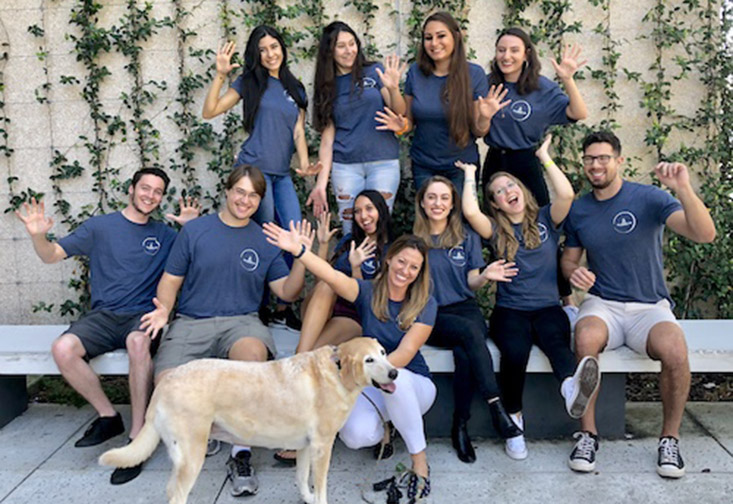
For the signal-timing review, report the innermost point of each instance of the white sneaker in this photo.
(515, 447)
(578, 389)
(669, 461)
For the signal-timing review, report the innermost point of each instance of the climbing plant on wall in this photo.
(687, 39)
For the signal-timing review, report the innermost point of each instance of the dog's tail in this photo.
(136, 452)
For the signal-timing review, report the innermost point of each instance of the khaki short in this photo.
(628, 323)
(189, 339)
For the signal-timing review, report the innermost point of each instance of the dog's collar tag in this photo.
(335, 357)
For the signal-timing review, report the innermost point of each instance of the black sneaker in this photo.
(583, 456)
(285, 319)
(101, 429)
(122, 475)
(669, 461)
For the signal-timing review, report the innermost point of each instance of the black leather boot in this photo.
(461, 441)
(503, 424)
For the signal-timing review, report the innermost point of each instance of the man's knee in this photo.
(667, 344)
(138, 346)
(248, 349)
(591, 336)
(67, 348)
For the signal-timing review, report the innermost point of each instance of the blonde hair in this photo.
(454, 233)
(418, 292)
(507, 244)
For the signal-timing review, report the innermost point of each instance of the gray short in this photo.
(189, 339)
(102, 331)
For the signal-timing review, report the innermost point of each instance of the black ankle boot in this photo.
(503, 424)
(461, 441)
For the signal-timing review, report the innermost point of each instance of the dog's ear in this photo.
(352, 365)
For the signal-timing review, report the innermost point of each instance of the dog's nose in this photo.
(392, 374)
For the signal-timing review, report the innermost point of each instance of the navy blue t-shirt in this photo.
(270, 146)
(225, 267)
(449, 269)
(522, 123)
(357, 140)
(432, 144)
(369, 268)
(388, 333)
(535, 286)
(126, 260)
(622, 237)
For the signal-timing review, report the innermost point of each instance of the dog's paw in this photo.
(308, 498)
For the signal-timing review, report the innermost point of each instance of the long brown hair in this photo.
(454, 233)
(457, 94)
(324, 88)
(529, 79)
(506, 243)
(418, 292)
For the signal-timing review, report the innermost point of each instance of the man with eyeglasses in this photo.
(620, 224)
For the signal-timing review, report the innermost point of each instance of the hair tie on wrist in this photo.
(302, 251)
(548, 163)
(404, 128)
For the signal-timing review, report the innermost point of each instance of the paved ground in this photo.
(38, 464)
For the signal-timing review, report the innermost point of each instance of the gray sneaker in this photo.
(242, 474)
(213, 447)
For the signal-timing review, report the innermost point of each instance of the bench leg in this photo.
(544, 410)
(13, 398)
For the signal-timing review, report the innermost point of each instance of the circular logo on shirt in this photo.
(368, 82)
(457, 255)
(370, 266)
(151, 245)
(624, 222)
(520, 110)
(544, 234)
(249, 260)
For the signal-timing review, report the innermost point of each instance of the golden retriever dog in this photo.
(298, 403)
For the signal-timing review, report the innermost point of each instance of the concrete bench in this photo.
(25, 350)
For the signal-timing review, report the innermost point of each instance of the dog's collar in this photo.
(335, 356)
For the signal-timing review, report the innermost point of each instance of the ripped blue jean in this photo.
(348, 180)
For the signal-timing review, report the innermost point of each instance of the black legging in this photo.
(524, 165)
(462, 327)
(514, 332)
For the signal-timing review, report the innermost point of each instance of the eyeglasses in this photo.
(603, 159)
(502, 190)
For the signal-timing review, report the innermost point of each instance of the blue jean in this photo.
(280, 201)
(421, 173)
(348, 180)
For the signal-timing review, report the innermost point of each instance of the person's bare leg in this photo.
(248, 349)
(667, 343)
(68, 353)
(591, 336)
(338, 330)
(420, 464)
(141, 378)
(317, 314)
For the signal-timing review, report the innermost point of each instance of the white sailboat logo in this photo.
(624, 222)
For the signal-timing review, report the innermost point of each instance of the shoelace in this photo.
(243, 467)
(585, 446)
(669, 451)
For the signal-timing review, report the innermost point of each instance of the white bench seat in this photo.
(25, 350)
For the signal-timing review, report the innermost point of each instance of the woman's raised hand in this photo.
(569, 63)
(494, 101)
(224, 55)
(393, 71)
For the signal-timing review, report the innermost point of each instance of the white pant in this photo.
(412, 398)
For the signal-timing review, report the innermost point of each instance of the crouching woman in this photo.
(396, 309)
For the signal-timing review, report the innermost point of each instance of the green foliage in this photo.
(688, 40)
